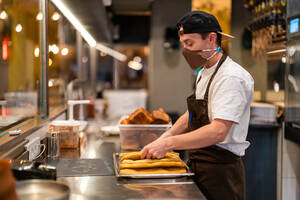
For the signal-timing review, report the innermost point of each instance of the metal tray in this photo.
(116, 158)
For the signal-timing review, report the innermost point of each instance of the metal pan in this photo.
(116, 158)
(42, 189)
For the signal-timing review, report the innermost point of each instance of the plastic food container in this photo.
(136, 136)
(68, 133)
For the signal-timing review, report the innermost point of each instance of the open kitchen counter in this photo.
(104, 185)
(109, 187)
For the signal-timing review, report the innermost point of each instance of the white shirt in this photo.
(229, 98)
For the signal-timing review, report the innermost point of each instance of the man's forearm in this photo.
(179, 127)
(205, 136)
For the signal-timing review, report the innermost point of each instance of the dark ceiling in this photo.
(131, 6)
(96, 18)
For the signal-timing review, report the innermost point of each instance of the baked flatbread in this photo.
(157, 164)
(153, 171)
(150, 161)
(137, 155)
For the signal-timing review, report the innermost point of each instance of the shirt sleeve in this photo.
(229, 99)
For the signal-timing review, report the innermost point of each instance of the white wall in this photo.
(170, 78)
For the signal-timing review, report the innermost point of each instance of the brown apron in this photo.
(219, 174)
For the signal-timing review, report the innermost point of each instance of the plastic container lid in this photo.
(146, 125)
(66, 123)
(169, 125)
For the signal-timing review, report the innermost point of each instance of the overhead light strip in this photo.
(276, 51)
(111, 52)
(84, 33)
(74, 21)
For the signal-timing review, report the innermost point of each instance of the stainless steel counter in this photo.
(96, 146)
(108, 187)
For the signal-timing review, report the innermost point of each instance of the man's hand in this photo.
(157, 149)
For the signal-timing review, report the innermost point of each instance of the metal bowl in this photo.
(42, 189)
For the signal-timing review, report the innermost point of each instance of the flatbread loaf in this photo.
(131, 163)
(151, 160)
(153, 171)
(137, 155)
(157, 164)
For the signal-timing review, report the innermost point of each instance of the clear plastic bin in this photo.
(136, 136)
(68, 133)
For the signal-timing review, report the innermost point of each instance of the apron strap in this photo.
(196, 83)
(224, 56)
(198, 80)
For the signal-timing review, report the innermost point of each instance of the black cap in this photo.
(200, 22)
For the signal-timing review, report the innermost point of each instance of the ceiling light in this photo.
(137, 59)
(111, 52)
(74, 21)
(50, 83)
(102, 54)
(54, 49)
(135, 65)
(276, 51)
(19, 28)
(3, 15)
(283, 59)
(85, 34)
(55, 16)
(36, 52)
(50, 62)
(64, 51)
(39, 16)
(276, 87)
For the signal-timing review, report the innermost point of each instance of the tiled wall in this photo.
(290, 170)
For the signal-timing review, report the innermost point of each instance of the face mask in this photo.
(195, 59)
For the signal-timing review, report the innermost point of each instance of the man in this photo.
(215, 126)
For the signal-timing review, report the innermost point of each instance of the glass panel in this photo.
(19, 60)
(293, 82)
(62, 56)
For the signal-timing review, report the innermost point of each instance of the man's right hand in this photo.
(156, 149)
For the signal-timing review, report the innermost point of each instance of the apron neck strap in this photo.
(224, 56)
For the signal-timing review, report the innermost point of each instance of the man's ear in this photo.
(212, 38)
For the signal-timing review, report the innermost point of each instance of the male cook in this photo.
(215, 126)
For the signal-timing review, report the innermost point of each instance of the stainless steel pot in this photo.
(42, 189)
